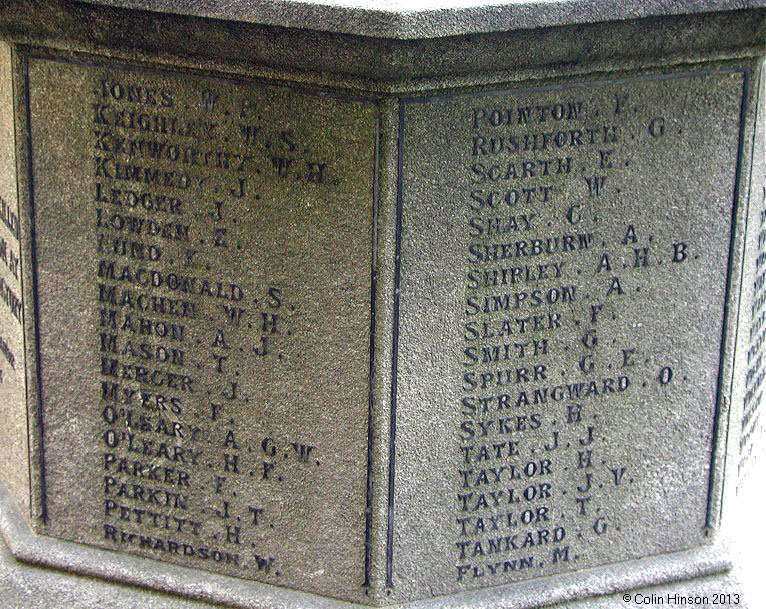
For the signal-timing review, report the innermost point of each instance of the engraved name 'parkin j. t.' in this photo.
(210, 213)
(411, 321)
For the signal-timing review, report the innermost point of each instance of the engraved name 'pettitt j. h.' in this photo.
(215, 286)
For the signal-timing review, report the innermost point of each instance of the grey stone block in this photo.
(327, 306)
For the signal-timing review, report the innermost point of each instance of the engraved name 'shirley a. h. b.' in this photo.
(569, 315)
(418, 321)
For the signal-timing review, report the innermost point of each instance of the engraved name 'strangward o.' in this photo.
(554, 246)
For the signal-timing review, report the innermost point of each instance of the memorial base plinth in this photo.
(41, 572)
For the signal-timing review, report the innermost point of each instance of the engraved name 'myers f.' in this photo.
(450, 315)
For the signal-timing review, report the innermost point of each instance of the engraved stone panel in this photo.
(14, 448)
(203, 293)
(561, 311)
(753, 427)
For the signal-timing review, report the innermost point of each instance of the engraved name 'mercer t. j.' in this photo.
(438, 320)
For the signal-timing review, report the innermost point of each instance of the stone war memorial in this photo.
(336, 305)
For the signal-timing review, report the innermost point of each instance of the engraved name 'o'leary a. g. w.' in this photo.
(398, 308)
(207, 214)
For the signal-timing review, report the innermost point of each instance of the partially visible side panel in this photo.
(751, 442)
(14, 462)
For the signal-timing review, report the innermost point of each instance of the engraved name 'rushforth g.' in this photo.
(378, 346)
(202, 339)
(580, 366)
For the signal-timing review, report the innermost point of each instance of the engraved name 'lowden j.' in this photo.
(215, 269)
(155, 285)
(143, 237)
(218, 230)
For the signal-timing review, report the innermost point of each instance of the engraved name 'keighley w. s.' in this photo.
(485, 329)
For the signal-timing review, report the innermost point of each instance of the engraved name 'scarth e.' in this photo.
(566, 368)
(375, 351)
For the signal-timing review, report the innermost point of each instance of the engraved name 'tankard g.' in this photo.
(379, 348)
(564, 359)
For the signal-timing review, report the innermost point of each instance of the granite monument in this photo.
(314, 305)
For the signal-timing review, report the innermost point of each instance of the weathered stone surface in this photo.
(376, 65)
(14, 451)
(406, 19)
(217, 343)
(561, 363)
(314, 318)
(753, 343)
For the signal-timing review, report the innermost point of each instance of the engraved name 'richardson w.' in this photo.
(558, 346)
(204, 312)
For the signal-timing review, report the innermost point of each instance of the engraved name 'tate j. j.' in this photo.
(543, 280)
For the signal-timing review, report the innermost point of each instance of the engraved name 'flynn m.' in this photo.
(225, 279)
(573, 353)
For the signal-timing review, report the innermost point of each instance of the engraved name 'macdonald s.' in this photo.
(186, 284)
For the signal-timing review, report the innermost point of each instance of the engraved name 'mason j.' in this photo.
(376, 347)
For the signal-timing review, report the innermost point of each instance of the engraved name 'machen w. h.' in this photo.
(451, 312)
(207, 215)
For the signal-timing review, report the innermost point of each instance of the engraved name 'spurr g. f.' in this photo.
(380, 307)
(571, 353)
(552, 377)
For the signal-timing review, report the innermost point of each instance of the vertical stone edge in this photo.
(385, 238)
(724, 441)
(727, 386)
(749, 424)
(14, 445)
(24, 172)
(749, 528)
